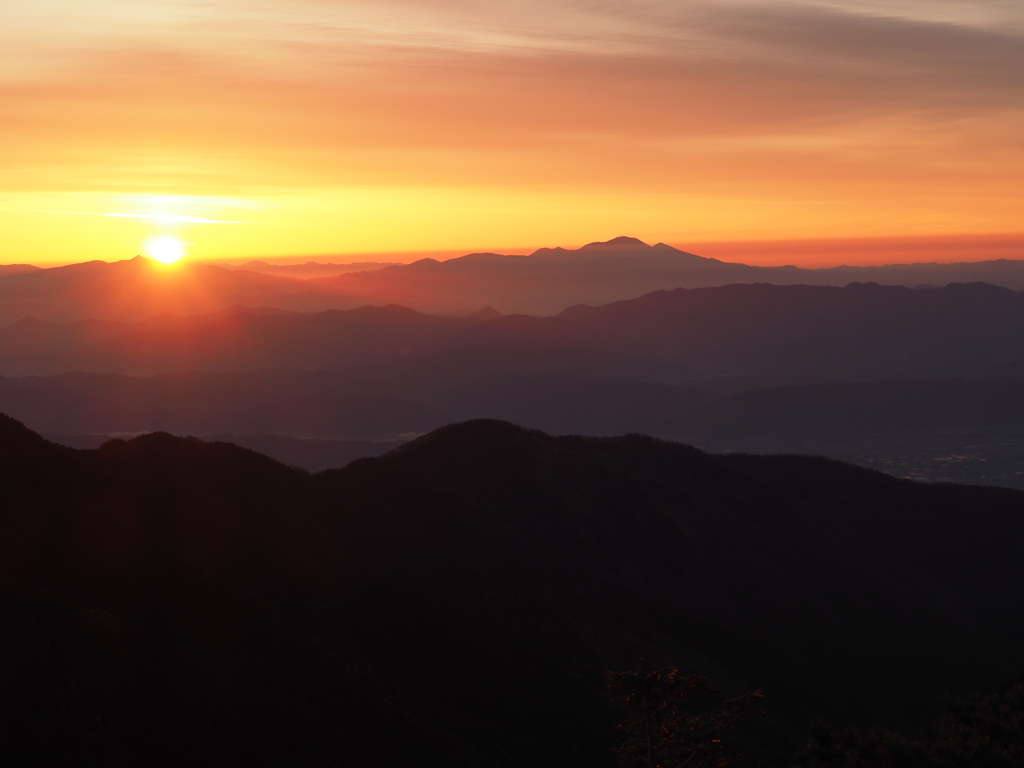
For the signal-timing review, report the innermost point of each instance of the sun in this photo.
(165, 249)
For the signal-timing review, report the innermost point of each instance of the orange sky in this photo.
(265, 128)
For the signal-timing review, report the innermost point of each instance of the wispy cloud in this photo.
(879, 102)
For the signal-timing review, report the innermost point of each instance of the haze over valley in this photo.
(919, 381)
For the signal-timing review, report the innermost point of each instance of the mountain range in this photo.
(860, 331)
(454, 602)
(307, 269)
(917, 381)
(971, 432)
(543, 283)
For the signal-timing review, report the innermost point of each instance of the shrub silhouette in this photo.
(661, 731)
(985, 731)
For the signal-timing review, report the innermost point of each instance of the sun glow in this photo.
(165, 249)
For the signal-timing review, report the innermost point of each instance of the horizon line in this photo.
(868, 251)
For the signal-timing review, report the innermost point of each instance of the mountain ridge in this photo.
(542, 283)
(860, 331)
(258, 612)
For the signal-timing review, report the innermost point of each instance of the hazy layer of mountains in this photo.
(941, 430)
(308, 269)
(173, 602)
(808, 369)
(861, 331)
(543, 283)
(309, 454)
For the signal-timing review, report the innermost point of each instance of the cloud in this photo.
(802, 100)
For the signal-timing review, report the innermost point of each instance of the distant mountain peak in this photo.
(617, 242)
(16, 269)
(487, 313)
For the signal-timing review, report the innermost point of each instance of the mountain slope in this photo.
(308, 269)
(954, 431)
(250, 341)
(812, 332)
(551, 279)
(453, 602)
(129, 291)
(543, 283)
(864, 408)
(860, 331)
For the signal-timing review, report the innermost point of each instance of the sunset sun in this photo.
(165, 249)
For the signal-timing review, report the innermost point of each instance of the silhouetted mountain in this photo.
(543, 283)
(32, 346)
(177, 602)
(945, 431)
(616, 243)
(552, 278)
(660, 365)
(129, 291)
(857, 332)
(971, 432)
(1006, 273)
(872, 407)
(308, 269)
(487, 313)
(14, 269)
(380, 403)
(250, 341)
(860, 331)
(296, 404)
(30, 339)
(310, 454)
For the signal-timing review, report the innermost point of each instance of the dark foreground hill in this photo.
(173, 602)
(310, 454)
(963, 431)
